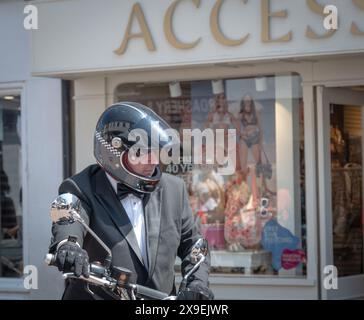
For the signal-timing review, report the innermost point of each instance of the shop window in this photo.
(11, 247)
(254, 216)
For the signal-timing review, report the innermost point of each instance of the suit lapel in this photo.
(152, 222)
(108, 199)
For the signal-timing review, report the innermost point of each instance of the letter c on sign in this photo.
(168, 28)
(215, 28)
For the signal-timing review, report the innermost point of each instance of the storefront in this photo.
(268, 69)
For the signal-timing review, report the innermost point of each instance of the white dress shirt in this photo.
(135, 211)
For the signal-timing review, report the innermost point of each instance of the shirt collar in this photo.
(112, 181)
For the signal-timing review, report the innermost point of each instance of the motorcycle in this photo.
(115, 280)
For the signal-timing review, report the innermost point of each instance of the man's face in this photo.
(145, 163)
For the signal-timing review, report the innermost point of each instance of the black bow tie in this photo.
(123, 191)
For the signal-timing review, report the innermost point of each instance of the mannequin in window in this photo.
(251, 133)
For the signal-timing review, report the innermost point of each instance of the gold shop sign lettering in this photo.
(137, 16)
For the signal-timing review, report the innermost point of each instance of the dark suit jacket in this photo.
(170, 230)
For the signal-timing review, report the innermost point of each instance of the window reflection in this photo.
(346, 183)
(11, 257)
(254, 219)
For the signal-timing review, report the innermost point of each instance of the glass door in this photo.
(340, 150)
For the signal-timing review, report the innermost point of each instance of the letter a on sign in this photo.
(144, 33)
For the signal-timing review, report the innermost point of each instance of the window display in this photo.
(253, 218)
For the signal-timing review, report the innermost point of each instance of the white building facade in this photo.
(31, 160)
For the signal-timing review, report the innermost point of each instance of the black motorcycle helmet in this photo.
(112, 142)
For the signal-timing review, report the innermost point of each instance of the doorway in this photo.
(340, 151)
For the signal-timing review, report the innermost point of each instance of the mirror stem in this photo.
(195, 267)
(109, 254)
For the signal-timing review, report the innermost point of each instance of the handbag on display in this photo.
(264, 169)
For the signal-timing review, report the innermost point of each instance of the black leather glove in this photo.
(71, 258)
(196, 290)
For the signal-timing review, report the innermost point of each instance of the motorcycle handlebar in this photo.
(97, 269)
(91, 279)
(138, 289)
(148, 292)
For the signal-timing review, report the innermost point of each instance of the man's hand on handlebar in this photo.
(71, 258)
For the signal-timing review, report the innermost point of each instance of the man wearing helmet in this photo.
(140, 213)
